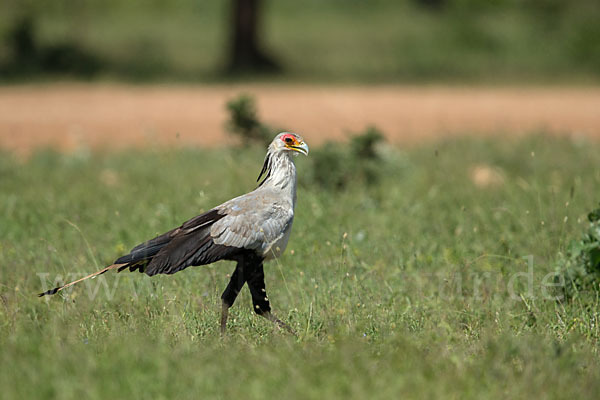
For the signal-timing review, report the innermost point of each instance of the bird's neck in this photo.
(281, 174)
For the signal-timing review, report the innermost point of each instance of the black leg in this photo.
(231, 292)
(260, 301)
(256, 283)
(249, 269)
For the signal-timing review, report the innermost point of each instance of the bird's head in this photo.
(288, 141)
(283, 146)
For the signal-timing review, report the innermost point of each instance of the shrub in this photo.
(363, 146)
(580, 267)
(244, 121)
(330, 166)
(337, 166)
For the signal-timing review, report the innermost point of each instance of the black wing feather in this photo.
(196, 248)
(189, 244)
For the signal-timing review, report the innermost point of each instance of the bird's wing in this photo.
(253, 221)
(150, 248)
(250, 222)
(190, 244)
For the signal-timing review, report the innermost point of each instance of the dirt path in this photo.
(114, 116)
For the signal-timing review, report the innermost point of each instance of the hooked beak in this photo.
(300, 148)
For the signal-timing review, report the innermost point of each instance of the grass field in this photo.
(430, 283)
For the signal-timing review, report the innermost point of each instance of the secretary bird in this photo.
(248, 229)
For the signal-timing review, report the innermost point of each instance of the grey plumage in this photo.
(248, 229)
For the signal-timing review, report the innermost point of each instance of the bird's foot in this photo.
(279, 323)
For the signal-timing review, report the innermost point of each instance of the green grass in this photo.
(331, 41)
(400, 289)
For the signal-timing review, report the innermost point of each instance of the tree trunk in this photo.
(246, 54)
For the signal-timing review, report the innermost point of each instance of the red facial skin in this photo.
(294, 140)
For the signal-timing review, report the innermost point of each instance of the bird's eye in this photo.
(289, 140)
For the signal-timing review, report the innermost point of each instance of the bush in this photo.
(363, 146)
(336, 166)
(580, 267)
(244, 121)
(330, 166)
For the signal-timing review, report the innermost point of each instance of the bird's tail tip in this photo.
(59, 288)
(49, 292)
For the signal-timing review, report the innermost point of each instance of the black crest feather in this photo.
(266, 170)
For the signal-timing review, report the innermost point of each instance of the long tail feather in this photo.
(58, 289)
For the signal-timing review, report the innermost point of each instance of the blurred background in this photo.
(347, 41)
(121, 73)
